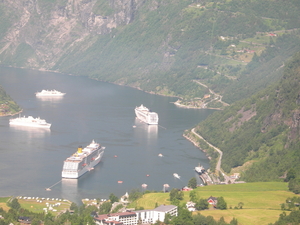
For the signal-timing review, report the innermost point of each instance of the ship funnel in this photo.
(79, 150)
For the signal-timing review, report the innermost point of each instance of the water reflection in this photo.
(50, 98)
(69, 189)
(31, 132)
(145, 131)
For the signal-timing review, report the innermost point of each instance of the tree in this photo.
(135, 194)
(192, 183)
(105, 208)
(240, 205)
(291, 174)
(184, 217)
(294, 185)
(201, 204)
(221, 204)
(234, 221)
(193, 196)
(35, 221)
(73, 206)
(113, 198)
(176, 194)
(14, 204)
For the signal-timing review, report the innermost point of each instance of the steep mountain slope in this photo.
(7, 105)
(262, 132)
(158, 46)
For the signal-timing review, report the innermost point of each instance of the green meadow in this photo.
(261, 201)
(36, 206)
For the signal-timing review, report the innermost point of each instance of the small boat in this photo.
(160, 155)
(120, 182)
(148, 175)
(176, 175)
(144, 185)
(48, 189)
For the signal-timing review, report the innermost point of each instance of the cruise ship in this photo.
(29, 122)
(82, 161)
(51, 93)
(145, 115)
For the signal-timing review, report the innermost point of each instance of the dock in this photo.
(206, 178)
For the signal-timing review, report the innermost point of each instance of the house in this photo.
(24, 220)
(212, 200)
(190, 206)
(186, 189)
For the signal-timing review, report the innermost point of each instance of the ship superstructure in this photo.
(83, 160)
(49, 93)
(199, 169)
(29, 122)
(146, 115)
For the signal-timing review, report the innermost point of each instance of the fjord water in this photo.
(31, 159)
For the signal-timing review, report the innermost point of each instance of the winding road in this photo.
(218, 166)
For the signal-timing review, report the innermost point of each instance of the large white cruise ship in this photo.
(147, 116)
(29, 122)
(51, 93)
(82, 161)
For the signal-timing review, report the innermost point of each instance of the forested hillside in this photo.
(7, 105)
(233, 47)
(261, 134)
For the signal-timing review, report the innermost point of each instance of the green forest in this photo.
(261, 131)
(7, 105)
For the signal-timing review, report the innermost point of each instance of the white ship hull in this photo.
(51, 93)
(29, 122)
(74, 169)
(77, 174)
(145, 115)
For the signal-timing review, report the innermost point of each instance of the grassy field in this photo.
(3, 201)
(261, 201)
(37, 206)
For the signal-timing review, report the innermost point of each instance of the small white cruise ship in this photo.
(82, 161)
(49, 93)
(29, 122)
(146, 115)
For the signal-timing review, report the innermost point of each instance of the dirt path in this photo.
(217, 98)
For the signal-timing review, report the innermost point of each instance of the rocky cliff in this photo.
(46, 30)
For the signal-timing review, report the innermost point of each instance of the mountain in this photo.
(234, 48)
(259, 136)
(209, 53)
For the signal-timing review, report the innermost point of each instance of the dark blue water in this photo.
(31, 159)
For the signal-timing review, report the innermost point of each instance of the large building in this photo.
(137, 217)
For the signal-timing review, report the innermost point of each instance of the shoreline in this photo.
(149, 92)
(196, 144)
(12, 114)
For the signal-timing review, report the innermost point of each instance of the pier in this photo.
(206, 178)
